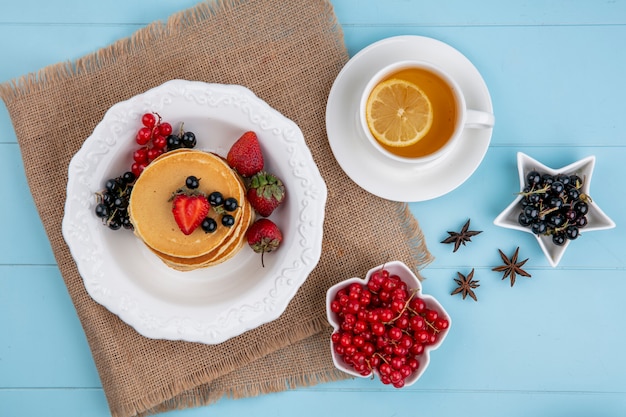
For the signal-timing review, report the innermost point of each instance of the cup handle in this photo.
(476, 119)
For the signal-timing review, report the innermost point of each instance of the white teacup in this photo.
(450, 113)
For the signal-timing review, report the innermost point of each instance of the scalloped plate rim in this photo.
(181, 324)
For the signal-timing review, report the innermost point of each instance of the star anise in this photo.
(462, 237)
(511, 267)
(467, 284)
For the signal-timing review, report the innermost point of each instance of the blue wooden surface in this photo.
(550, 346)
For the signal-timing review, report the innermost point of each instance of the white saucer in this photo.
(358, 158)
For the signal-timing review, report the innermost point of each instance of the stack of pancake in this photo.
(150, 210)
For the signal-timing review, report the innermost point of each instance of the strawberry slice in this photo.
(189, 211)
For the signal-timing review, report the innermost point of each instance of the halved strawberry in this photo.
(189, 211)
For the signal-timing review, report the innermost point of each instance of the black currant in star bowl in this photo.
(555, 205)
(384, 325)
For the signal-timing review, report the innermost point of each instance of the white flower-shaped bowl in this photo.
(406, 275)
(597, 220)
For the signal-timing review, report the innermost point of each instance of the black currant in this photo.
(102, 211)
(120, 203)
(128, 177)
(571, 232)
(126, 224)
(557, 187)
(558, 238)
(581, 208)
(581, 221)
(216, 199)
(209, 225)
(192, 182)
(524, 220)
(575, 181)
(563, 179)
(188, 140)
(570, 215)
(534, 198)
(112, 186)
(555, 202)
(556, 220)
(173, 142)
(114, 223)
(573, 194)
(107, 199)
(547, 179)
(531, 212)
(533, 178)
(230, 204)
(538, 228)
(228, 220)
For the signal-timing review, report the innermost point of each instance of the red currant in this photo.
(416, 349)
(148, 120)
(385, 369)
(386, 315)
(144, 135)
(378, 329)
(137, 168)
(398, 384)
(141, 155)
(406, 371)
(360, 326)
(394, 333)
(368, 349)
(345, 340)
(417, 304)
(159, 142)
(154, 153)
(395, 377)
(441, 324)
(431, 315)
(358, 341)
(165, 129)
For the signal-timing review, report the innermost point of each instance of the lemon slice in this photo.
(398, 113)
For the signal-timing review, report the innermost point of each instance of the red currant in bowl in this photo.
(390, 336)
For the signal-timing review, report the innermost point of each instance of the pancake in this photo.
(151, 211)
(218, 255)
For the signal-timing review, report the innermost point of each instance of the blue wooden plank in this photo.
(57, 43)
(338, 399)
(42, 342)
(517, 64)
(80, 13)
(349, 12)
(521, 338)
(484, 13)
(23, 239)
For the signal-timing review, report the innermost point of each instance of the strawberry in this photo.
(245, 155)
(264, 236)
(265, 192)
(189, 211)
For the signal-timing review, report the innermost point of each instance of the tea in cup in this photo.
(414, 112)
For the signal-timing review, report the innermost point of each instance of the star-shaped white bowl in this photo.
(597, 220)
